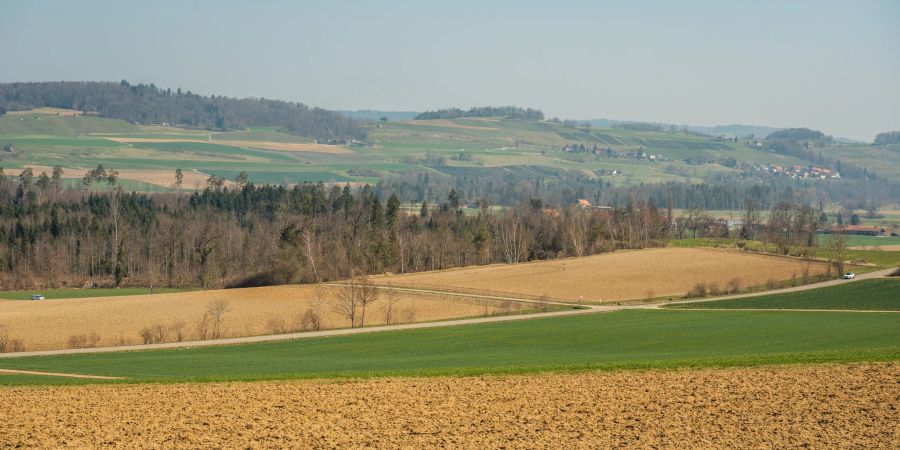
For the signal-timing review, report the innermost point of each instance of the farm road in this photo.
(577, 309)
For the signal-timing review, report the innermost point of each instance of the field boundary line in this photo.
(58, 374)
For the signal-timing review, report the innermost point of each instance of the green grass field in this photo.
(623, 340)
(53, 294)
(865, 295)
(857, 241)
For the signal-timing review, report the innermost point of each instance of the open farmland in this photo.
(268, 155)
(631, 339)
(658, 272)
(819, 406)
(252, 311)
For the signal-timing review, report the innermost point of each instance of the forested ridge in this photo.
(509, 112)
(148, 104)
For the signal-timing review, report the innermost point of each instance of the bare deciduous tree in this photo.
(355, 297)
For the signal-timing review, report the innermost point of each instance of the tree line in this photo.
(148, 104)
(887, 138)
(510, 112)
(261, 235)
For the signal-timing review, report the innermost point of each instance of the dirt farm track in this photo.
(822, 406)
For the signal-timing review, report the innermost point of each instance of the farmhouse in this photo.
(857, 230)
(586, 204)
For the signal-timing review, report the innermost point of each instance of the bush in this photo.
(310, 321)
(698, 291)
(83, 340)
(154, 334)
(734, 285)
(714, 289)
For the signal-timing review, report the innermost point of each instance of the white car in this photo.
(37, 297)
(849, 276)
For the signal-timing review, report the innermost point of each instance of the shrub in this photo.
(408, 315)
(310, 321)
(734, 285)
(154, 334)
(176, 330)
(699, 290)
(714, 289)
(83, 340)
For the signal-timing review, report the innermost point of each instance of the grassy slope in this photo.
(627, 339)
(871, 295)
(520, 147)
(52, 294)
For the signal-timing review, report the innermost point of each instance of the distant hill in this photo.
(718, 130)
(148, 104)
(374, 115)
(511, 112)
(736, 130)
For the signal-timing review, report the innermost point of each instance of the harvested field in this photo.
(164, 178)
(47, 111)
(623, 275)
(49, 324)
(812, 406)
(886, 248)
(265, 145)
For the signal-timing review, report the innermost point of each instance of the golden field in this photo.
(623, 275)
(49, 324)
(827, 406)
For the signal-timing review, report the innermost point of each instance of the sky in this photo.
(828, 65)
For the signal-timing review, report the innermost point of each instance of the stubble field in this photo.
(825, 406)
(49, 324)
(624, 275)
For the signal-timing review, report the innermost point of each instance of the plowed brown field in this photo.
(655, 272)
(815, 406)
(252, 311)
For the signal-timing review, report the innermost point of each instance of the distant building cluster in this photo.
(797, 171)
(610, 153)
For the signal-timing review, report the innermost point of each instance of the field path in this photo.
(577, 309)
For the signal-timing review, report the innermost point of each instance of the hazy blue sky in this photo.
(829, 65)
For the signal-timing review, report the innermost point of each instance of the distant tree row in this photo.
(887, 138)
(510, 112)
(639, 126)
(147, 104)
(800, 134)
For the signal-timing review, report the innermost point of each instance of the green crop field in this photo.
(623, 340)
(52, 294)
(856, 241)
(865, 295)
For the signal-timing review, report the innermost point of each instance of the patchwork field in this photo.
(658, 272)
(494, 148)
(49, 324)
(825, 406)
